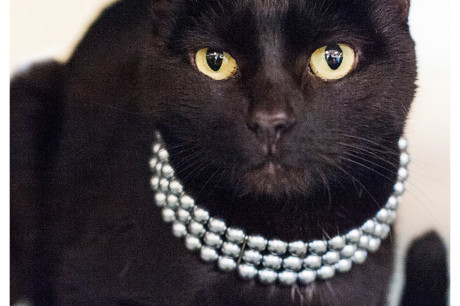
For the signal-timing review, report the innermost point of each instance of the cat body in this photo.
(85, 229)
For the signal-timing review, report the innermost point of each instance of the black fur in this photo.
(84, 228)
(426, 272)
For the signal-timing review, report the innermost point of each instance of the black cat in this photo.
(280, 117)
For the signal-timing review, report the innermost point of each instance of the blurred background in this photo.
(51, 28)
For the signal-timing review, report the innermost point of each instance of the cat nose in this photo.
(269, 126)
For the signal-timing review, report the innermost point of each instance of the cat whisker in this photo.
(295, 291)
(191, 164)
(413, 172)
(216, 171)
(185, 160)
(379, 147)
(326, 184)
(369, 168)
(366, 152)
(364, 160)
(185, 145)
(361, 184)
(331, 290)
(408, 182)
(326, 235)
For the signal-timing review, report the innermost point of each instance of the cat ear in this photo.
(403, 6)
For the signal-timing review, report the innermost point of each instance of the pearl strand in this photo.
(254, 256)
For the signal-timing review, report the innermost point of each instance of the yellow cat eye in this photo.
(216, 64)
(332, 62)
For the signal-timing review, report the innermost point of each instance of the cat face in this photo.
(276, 126)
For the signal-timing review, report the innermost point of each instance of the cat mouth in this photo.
(269, 167)
(271, 178)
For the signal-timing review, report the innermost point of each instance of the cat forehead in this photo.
(278, 9)
(272, 8)
(241, 23)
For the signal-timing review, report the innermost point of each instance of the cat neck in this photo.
(320, 215)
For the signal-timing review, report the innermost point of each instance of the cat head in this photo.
(276, 99)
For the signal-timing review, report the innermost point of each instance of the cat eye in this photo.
(216, 64)
(332, 62)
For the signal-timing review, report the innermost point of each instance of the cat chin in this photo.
(271, 180)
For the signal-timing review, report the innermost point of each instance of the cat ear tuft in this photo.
(403, 6)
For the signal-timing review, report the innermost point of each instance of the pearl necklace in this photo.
(267, 259)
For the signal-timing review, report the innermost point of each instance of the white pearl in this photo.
(212, 239)
(168, 215)
(331, 257)
(267, 276)
(200, 215)
(158, 168)
(192, 243)
(306, 276)
(160, 199)
(381, 230)
(318, 246)
(208, 254)
(247, 271)
(385, 231)
(399, 188)
(404, 159)
(348, 250)
(217, 226)
(257, 243)
(179, 230)
(163, 155)
(359, 257)
(312, 261)
(183, 215)
(226, 263)
(392, 203)
(293, 263)
(155, 182)
(164, 185)
(252, 257)
(235, 235)
(337, 243)
(167, 171)
(172, 202)
(326, 272)
(187, 203)
(153, 162)
(368, 226)
(156, 148)
(287, 277)
(344, 265)
(175, 187)
(298, 248)
(230, 249)
(364, 241)
(196, 229)
(391, 216)
(402, 144)
(353, 236)
(403, 174)
(272, 261)
(374, 244)
(382, 215)
(277, 246)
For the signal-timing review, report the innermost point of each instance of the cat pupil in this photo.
(334, 56)
(214, 59)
